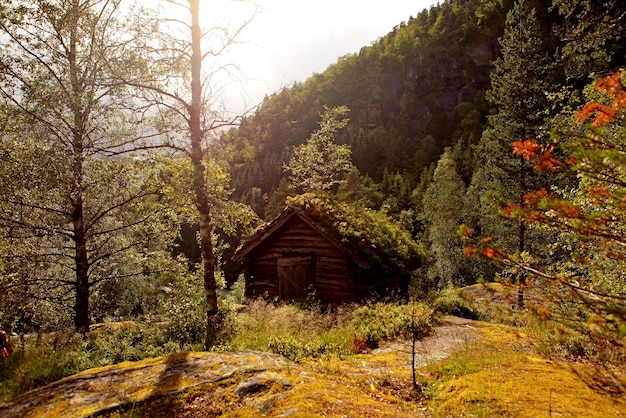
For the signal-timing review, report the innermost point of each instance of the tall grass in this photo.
(297, 332)
(313, 331)
(554, 335)
(39, 360)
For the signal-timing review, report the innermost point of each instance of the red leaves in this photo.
(542, 208)
(469, 250)
(546, 161)
(611, 86)
(605, 114)
(528, 149)
(587, 111)
(566, 209)
(481, 248)
(540, 156)
(533, 198)
(600, 192)
(490, 252)
(540, 201)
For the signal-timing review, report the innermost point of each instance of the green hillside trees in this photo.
(519, 93)
(443, 209)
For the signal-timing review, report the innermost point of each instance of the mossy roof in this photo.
(370, 238)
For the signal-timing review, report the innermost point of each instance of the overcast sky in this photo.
(289, 40)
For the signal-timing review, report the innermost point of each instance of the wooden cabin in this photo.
(295, 256)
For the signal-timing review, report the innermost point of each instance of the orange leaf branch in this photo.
(611, 86)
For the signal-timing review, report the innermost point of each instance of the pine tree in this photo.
(583, 287)
(593, 35)
(519, 87)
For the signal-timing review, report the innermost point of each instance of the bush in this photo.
(263, 321)
(312, 331)
(559, 340)
(297, 349)
(293, 331)
(184, 311)
(376, 322)
(450, 302)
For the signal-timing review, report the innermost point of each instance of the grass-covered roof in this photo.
(363, 233)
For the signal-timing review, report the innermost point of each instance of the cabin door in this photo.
(294, 276)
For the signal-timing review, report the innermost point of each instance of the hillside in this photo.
(417, 90)
(507, 381)
(461, 181)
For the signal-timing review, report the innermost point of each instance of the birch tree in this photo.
(71, 201)
(179, 75)
(320, 163)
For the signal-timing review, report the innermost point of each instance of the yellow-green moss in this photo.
(496, 374)
(497, 377)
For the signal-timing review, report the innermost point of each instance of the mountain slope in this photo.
(415, 91)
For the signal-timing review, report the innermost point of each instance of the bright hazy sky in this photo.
(289, 40)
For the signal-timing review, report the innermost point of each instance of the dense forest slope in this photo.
(415, 91)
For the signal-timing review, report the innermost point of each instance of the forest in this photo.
(433, 113)
(478, 143)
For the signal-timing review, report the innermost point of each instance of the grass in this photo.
(39, 360)
(501, 376)
(319, 389)
(295, 332)
(314, 332)
(519, 368)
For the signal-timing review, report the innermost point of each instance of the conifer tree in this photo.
(585, 288)
(593, 35)
(519, 87)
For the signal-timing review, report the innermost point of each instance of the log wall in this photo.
(334, 275)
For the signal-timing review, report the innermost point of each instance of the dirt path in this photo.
(450, 335)
(259, 383)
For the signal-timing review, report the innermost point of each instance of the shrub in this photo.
(376, 322)
(297, 349)
(184, 311)
(55, 356)
(300, 332)
(261, 321)
(450, 302)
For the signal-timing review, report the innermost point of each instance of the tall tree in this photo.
(519, 87)
(585, 289)
(186, 98)
(64, 204)
(442, 213)
(592, 33)
(321, 164)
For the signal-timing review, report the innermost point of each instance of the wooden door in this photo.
(294, 276)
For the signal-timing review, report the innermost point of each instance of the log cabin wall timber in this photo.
(331, 275)
(295, 257)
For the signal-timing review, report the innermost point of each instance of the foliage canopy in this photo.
(387, 247)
